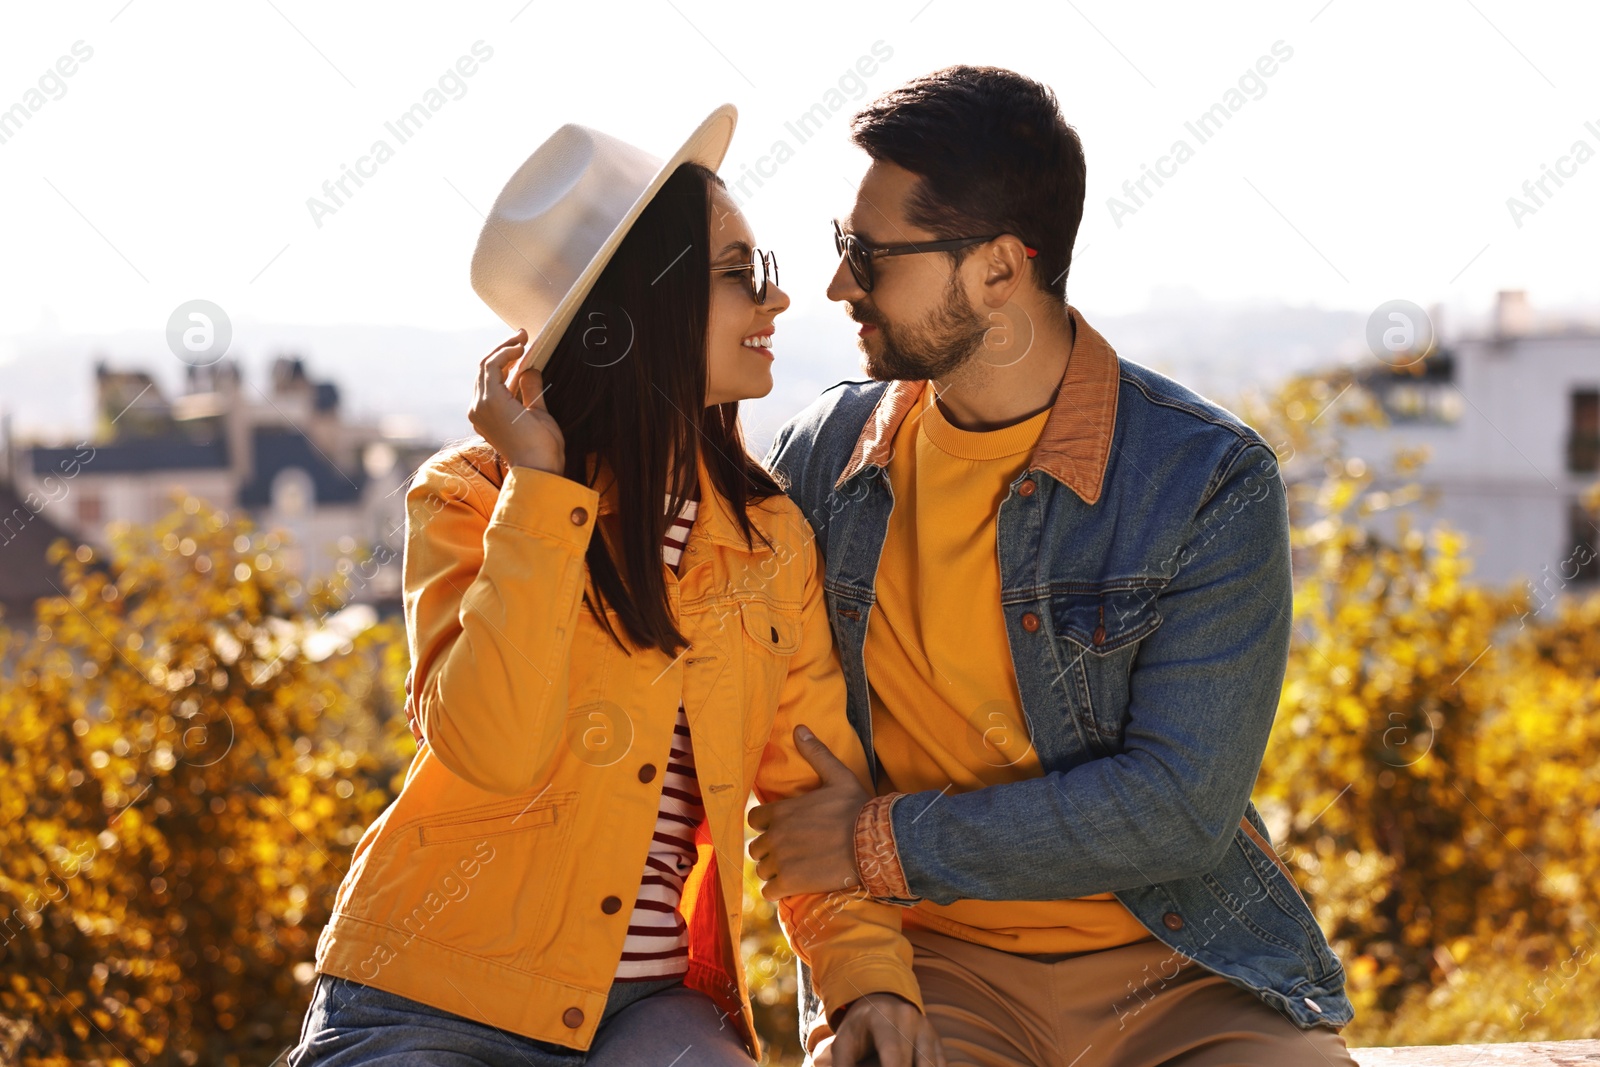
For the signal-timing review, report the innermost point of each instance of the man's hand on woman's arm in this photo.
(807, 843)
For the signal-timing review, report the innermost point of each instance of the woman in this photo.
(600, 680)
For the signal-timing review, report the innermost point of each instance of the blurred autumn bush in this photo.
(1432, 772)
(193, 743)
(192, 747)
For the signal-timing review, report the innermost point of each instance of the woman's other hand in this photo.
(510, 412)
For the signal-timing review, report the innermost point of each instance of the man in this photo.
(1070, 577)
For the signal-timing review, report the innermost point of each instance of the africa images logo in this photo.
(1205, 126)
(405, 126)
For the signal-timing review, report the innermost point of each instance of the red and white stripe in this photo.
(678, 533)
(657, 942)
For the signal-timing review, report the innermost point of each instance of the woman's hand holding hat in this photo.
(565, 211)
(521, 429)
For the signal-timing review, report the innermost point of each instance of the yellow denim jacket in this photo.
(499, 883)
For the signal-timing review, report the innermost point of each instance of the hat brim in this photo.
(707, 145)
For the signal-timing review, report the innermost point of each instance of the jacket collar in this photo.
(1075, 445)
(714, 520)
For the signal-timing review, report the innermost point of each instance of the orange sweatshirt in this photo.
(946, 711)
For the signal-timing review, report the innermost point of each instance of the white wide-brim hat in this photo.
(556, 224)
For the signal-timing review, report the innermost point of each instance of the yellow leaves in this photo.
(1338, 493)
(1444, 733)
(1352, 713)
(1361, 969)
(155, 804)
(1320, 532)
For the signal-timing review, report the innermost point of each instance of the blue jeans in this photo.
(354, 1025)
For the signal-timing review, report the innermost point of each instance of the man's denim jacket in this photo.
(1145, 580)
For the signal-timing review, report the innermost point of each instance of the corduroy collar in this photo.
(1075, 446)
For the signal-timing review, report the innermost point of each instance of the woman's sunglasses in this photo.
(859, 254)
(768, 264)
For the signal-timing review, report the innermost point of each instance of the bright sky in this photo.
(1375, 162)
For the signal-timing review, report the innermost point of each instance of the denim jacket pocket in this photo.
(1098, 635)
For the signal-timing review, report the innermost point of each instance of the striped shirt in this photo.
(657, 942)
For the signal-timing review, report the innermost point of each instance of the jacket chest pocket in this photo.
(1098, 635)
(768, 637)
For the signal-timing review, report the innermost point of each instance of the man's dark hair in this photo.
(994, 156)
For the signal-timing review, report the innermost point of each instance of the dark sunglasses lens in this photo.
(850, 249)
(861, 265)
(758, 276)
(769, 273)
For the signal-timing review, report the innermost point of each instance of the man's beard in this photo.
(933, 348)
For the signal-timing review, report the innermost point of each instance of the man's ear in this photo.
(1005, 268)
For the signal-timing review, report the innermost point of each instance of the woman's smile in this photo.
(762, 342)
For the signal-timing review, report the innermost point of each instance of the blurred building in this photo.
(1511, 417)
(285, 455)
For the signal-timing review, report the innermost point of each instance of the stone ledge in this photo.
(1509, 1054)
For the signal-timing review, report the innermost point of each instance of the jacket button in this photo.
(774, 635)
(573, 1017)
(579, 517)
(1099, 635)
(1172, 921)
(647, 772)
(1313, 1005)
(1027, 488)
(1030, 622)
(611, 905)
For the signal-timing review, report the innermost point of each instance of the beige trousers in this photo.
(1137, 1005)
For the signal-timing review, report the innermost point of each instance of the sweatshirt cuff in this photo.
(876, 854)
(547, 504)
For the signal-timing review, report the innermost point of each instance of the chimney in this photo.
(1436, 319)
(238, 425)
(1512, 316)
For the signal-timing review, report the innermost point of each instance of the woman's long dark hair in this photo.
(627, 384)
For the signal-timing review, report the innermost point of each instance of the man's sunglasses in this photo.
(768, 264)
(859, 254)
